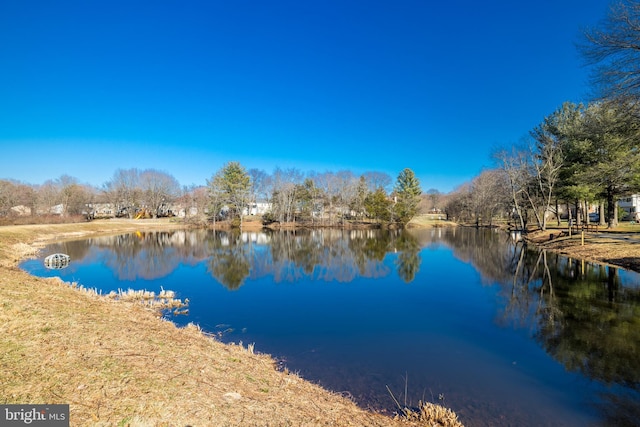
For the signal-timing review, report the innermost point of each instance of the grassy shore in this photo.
(430, 221)
(619, 247)
(118, 364)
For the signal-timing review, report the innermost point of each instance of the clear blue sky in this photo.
(88, 87)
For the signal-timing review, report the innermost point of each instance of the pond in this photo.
(501, 333)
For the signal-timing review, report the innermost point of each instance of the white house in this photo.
(182, 212)
(257, 208)
(21, 210)
(631, 205)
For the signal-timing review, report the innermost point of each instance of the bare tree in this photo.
(458, 205)
(48, 196)
(284, 193)
(488, 196)
(357, 204)
(613, 49)
(67, 187)
(433, 196)
(7, 197)
(513, 165)
(347, 190)
(124, 191)
(547, 160)
(328, 185)
(159, 189)
(260, 185)
(194, 200)
(14, 194)
(377, 180)
(74, 197)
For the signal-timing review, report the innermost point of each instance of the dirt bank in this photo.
(118, 363)
(613, 247)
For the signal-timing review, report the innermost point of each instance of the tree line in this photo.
(315, 198)
(579, 155)
(127, 192)
(291, 196)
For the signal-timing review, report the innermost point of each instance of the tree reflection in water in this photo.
(327, 255)
(141, 255)
(579, 312)
(591, 324)
(232, 256)
(229, 262)
(408, 261)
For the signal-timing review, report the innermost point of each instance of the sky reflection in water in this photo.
(502, 334)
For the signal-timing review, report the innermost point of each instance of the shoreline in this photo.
(116, 362)
(617, 248)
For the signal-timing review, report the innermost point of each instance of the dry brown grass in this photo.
(117, 363)
(616, 248)
(430, 220)
(434, 415)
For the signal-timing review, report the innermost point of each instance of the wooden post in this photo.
(582, 238)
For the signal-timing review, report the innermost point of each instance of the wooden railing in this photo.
(584, 227)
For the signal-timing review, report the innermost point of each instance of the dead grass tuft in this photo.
(433, 415)
(165, 300)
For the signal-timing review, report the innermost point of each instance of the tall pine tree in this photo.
(407, 196)
(231, 187)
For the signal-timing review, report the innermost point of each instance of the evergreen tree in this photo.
(407, 192)
(378, 205)
(231, 187)
(610, 153)
(305, 199)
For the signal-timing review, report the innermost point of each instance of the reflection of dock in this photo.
(57, 261)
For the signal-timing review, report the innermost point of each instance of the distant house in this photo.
(631, 206)
(182, 211)
(21, 210)
(100, 210)
(257, 208)
(57, 209)
(564, 213)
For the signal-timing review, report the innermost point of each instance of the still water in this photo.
(501, 333)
